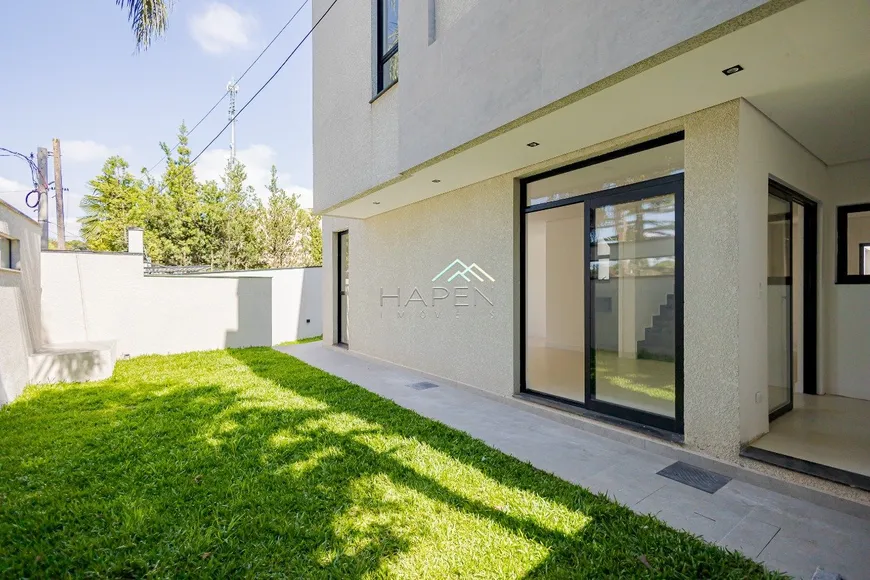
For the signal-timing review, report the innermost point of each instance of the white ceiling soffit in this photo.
(807, 68)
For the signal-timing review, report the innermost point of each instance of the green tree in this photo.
(312, 240)
(147, 18)
(117, 202)
(243, 248)
(280, 229)
(180, 213)
(214, 224)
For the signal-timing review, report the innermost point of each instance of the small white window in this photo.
(9, 253)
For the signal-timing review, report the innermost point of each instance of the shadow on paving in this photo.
(154, 473)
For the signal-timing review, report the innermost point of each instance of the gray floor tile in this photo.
(681, 506)
(625, 482)
(749, 536)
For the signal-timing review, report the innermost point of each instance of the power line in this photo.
(250, 66)
(269, 80)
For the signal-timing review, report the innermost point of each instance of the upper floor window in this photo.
(388, 43)
(853, 244)
(9, 253)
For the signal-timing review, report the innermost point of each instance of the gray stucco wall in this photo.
(394, 253)
(468, 67)
(355, 142)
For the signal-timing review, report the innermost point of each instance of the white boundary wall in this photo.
(19, 304)
(103, 296)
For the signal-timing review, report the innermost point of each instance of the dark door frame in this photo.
(672, 184)
(340, 242)
(810, 294)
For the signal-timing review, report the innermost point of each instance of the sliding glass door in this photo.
(602, 268)
(633, 285)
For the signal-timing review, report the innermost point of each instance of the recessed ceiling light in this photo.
(436, 181)
(732, 70)
(376, 202)
(532, 144)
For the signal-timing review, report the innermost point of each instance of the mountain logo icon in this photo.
(466, 272)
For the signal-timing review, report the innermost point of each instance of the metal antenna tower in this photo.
(232, 89)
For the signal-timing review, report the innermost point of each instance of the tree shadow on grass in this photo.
(614, 542)
(191, 466)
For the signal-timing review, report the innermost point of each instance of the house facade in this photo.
(650, 214)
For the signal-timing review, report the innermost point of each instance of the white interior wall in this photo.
(858, 233)
(536, 281)
(765, 150)
(847, 305)
(565, 275)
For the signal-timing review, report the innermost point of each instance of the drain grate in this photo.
(694, 477)
(423, 386)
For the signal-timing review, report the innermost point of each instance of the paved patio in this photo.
(787, 534)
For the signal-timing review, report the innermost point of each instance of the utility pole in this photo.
(42, 188)
(58, 196)
(232, 89)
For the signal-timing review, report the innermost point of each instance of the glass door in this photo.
(601, 322)
(779, 304)
(555, 341)
(343, 278)
(634, 323)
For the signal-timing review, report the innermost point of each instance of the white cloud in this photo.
(10, 185)
(13, 192)
(85, 151)
(258, 161)
(220, 28)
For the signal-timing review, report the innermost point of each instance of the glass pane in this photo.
(658, 162)
(344, 272)
(633, 261)
(390, 72)
(857, 238)
(555, 325)
(865, 259)
(390, 28)
(779, 261)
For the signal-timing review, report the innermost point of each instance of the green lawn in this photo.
(251, 463)
(302, 340)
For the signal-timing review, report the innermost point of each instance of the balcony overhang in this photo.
(806, 67)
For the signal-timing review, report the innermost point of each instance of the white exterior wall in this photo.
(296, 301)
(91, 297)
(20, 330)
(182, 314)
(767, 151)
(848, 305)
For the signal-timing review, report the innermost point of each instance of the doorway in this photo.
(791, 297)
(342, 276)
(602, 267)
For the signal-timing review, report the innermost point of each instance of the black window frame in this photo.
(632, 418)
(11, 246)
(384, 57)
(843, 277)
(862, 253)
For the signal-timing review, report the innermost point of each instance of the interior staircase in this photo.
(659, 339)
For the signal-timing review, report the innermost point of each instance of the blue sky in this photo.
(101, 98)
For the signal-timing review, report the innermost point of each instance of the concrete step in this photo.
(72, 363)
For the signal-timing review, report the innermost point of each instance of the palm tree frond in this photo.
(147, 18)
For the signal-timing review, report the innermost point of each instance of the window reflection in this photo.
(632, 266)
